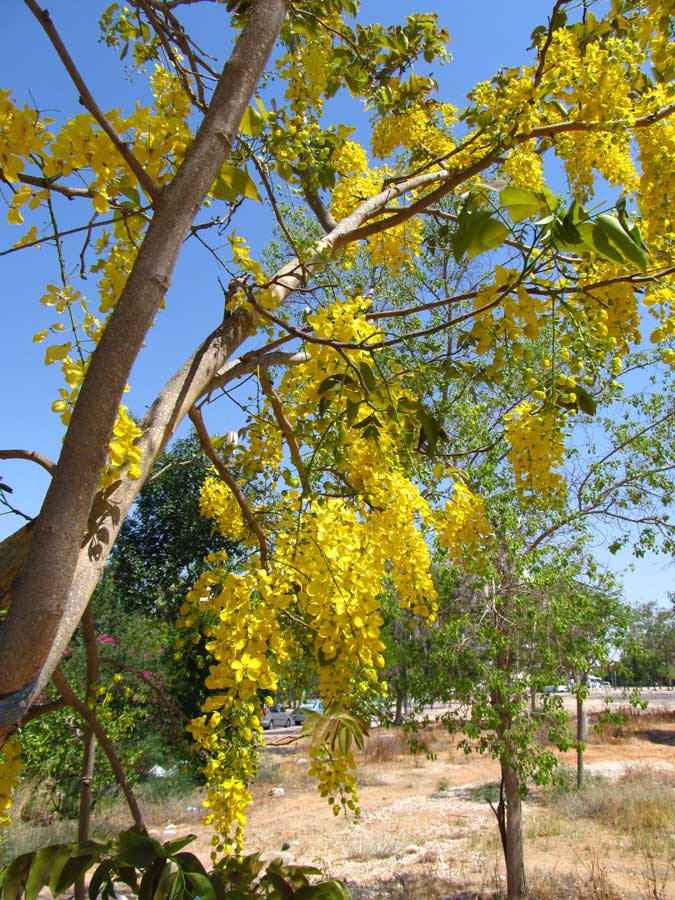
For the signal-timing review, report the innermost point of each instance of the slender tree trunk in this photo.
(41, 594)
(90, 718)
(89, 750)
(516, 887)
(398, 714)
(582, 734)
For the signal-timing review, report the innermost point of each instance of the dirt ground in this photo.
(423, 834)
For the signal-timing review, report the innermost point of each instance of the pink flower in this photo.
(147, 675)
(105, 639)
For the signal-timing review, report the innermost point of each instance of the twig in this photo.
(61, 234)
(87, 100)
(49, 184)
(286, 427)
(223, 471)
(273, 201)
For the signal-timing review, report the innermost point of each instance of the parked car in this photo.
(310, 706)
(275, 717)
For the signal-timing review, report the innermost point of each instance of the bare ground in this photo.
(422, 833)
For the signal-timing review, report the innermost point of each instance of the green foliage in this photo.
(647, 656)
(154, 871)
(161, 547)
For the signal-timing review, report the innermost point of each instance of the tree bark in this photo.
(41, 595)
(582, 735)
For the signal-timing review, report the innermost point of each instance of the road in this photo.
(596, 701)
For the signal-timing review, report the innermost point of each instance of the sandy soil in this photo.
(421, 835)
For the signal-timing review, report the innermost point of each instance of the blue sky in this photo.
(485, 35)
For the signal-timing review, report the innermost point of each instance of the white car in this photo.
(309, 706)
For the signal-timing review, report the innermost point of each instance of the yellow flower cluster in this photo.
(523, 167)
(159, 138)
(465, 530)
(357, 181)
(327, 561)
(657, 187)
(22, 133)
(414, 129)
(216, 501)
(396, 247)
(594, 82)
(516, 317)
(306, 73)
(123, 454)
(537, 450)
(10, 766)
(245, 643)
(393, 248)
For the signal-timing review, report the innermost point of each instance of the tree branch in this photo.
(31, 456)
(287, 429)
(91, 719)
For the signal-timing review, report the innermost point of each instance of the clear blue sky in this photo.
(485, 35)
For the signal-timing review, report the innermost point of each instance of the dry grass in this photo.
(632, 722)
(641, 804)
(34, 824)
(594, 885)
(384, 747)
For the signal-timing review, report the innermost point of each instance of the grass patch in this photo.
(484, 793)
(385, 747)
(641, 804)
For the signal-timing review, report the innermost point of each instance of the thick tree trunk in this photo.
(41, 595)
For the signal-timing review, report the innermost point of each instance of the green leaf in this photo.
(624, 242)
(368, 376)
(520, 202)
(188, 862)
(151, 878)
(15, 876)
(84, 856)
(232, 183)
(171, 847)
(489, 234)
(101, 880)
(329, 383)
(166, 883)
(137, 849)
(132, 194)
(281, 886)
(39, 871)
(325, 890)
(585, 400)
(61, 857)
(201, 886)
(604, 247)
(252, 123)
